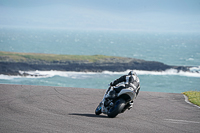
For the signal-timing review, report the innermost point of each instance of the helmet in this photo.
(132, 73)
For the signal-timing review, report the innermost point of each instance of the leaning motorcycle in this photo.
(114, 103)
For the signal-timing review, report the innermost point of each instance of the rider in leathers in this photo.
(130, 80)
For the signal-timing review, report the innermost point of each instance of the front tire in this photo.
(119, 106)
(98, 110)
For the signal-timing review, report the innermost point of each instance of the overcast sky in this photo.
(136, 15)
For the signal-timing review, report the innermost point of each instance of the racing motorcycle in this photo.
(114, 102)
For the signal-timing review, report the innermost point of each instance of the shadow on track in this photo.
(88, 115)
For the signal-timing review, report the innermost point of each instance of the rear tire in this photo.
(119, 106)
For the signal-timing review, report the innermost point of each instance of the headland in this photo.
(11, 63)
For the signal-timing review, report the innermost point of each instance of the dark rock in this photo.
(13, 68)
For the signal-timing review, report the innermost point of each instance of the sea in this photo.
(171, 48)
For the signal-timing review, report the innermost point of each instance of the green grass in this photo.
(23, 57)
(193, 97)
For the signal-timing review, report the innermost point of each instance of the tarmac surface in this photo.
(44, 109)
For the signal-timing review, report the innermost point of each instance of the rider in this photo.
(130, 80)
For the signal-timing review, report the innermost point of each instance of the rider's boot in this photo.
(110, 94)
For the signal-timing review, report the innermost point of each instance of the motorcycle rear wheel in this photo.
(119, 106)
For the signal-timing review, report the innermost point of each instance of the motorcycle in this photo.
(114, 102)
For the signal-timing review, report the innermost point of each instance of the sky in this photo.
(135, 15)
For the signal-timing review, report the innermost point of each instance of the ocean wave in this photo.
(170, 72)
(8, 77)
(195, 69)
(194, 72)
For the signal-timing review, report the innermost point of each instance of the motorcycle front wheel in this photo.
(118, 107)
(98, 110)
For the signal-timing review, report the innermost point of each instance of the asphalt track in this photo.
(39, 109)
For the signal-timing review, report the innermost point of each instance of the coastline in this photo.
(11, 63)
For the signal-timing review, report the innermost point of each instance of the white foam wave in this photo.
(167, 72)
(194, 72)
(7, 77)
(195, 69)
(170, 72)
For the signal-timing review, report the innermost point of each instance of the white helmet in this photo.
(132, 73)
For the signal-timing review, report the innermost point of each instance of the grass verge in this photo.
(23, 57)
(193, 97)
